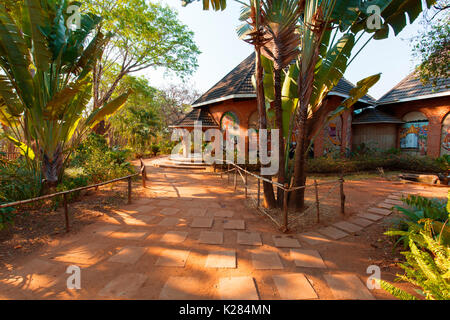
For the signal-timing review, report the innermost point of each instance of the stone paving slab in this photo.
(106, 230)
(173, 258)
(370, 216)
(129, 235)
(196, 212)
(347, 287)
(234, 224)
(124, 286)
(145, 209)
(167, 203)
(313, 238)
(211, 237)
(84, 255)
(384, 212)
(174, 236)
(169, 211)
(202, 222)
(394, 202)
(294, 286)
(128, 255)
(221, 259)
(223, 213)
(333, 233)
(147, 219)
(307, 258)
(385, 205)
(360, 221)
(238, 288)
(285, 242)
(266, 260)
(170, 222)
(249, 238)
(181, 288)
(394, 197)
(347, 226)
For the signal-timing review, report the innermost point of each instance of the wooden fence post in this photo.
(317, 200)
(235, 178)
(246, 181)
(259, 193)
(66, 212)
(129, 190)
(228, 173)
(341, 189)
(285, 207)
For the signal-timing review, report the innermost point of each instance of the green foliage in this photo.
(423, 208)
(427, 264)
(155, 149)
(7, 216)
(46, 85)
(99, 162)
(387, 161)
(432, 48)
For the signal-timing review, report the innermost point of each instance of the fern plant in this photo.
(423, 208)
(427, 264)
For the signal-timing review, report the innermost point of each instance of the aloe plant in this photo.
(46, 83)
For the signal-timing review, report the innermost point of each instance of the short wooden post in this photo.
(129, 190)
(228, 173)
(144, 183)
(246, 181)
(341, 189)
(235, 178)
(66, 212)
(285, 207)
(259, 193)
(317, 201)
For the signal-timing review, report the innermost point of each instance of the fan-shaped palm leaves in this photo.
(46, 86)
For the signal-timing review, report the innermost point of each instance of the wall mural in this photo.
(333, 136)
(230, 122)
(414, 135)
(445, 140)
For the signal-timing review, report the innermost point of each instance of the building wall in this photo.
(434, 109)
(381, 136)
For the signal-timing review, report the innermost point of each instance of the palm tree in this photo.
(253, 32)
(46, 85)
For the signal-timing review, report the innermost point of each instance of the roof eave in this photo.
(427, 96)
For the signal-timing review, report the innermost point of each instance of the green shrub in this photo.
(100, 162)
(393, 162)
(427, 263)
(155, 149)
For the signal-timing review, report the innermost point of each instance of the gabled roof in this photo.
(411, 88)
(238, 84)
(374, 115)
(199, 114)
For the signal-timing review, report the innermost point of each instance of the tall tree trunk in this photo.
(279, 123)
(305, 87)
(269, 196)
(52, 166)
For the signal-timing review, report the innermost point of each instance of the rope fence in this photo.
(335, 186)
(142, 172)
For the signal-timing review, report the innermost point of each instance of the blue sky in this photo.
(222, 50)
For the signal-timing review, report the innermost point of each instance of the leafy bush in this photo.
(427, 263)
(155, 149)
(423, 208)
(391, 161)
(100, 162)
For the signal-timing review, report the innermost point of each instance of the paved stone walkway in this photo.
(191, 237)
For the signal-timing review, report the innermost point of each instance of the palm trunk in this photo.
(269, 196)
(52, 166)
(279, 123)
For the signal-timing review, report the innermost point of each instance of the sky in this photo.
(222, 50)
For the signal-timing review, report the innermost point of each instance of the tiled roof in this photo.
(373, 115)
(238, 84)
(411, 87)
(199, 114)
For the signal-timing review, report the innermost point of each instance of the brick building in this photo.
(231, 104)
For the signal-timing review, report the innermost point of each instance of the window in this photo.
(230, 123)
(414, 133)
